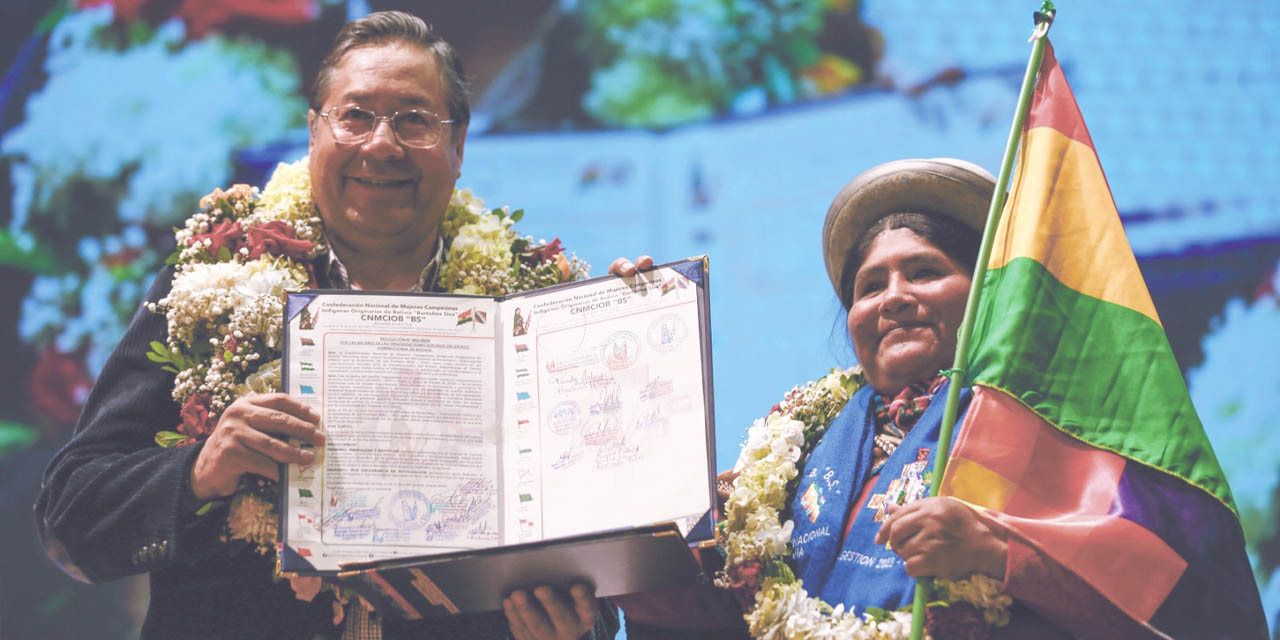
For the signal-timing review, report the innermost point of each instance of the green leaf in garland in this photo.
(169, 438)
(226, 209)
(517, 215)
(161, 354)
(227, 355)
(879, 615)
(160, 350)
(224, 254)
(782, 571)
(173, 258)
(208, 506)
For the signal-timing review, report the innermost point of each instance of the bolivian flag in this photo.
(1081, 436)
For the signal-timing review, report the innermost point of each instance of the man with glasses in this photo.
(388, 123)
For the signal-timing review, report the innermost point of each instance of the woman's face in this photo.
(908, 302)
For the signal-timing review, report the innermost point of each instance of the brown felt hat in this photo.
(940, 186)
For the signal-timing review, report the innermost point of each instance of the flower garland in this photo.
(237, 256)
(756, 542)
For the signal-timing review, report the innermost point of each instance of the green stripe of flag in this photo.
(1096, 370)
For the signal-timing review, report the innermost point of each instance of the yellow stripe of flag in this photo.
(1064, 218)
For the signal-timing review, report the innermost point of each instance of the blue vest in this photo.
(860, 573)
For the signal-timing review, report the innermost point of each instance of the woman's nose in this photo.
(897, 296)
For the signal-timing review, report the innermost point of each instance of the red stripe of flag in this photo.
(1054, 105)
(1057, 493)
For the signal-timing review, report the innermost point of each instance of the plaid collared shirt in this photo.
(337, 277)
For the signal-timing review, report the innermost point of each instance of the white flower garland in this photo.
(757, 543)
(243, 250)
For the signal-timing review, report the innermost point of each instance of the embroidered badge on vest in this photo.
(811, 500)
(910, 485)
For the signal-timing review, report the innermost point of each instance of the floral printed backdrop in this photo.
(664, 120)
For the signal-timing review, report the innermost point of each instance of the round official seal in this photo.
(621, 350)
(409, 509)
(667, 333)
(563, 417)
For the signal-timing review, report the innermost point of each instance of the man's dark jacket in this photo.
(113, 503)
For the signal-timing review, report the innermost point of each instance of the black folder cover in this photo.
(618, 562)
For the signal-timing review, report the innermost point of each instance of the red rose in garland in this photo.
(196, 421)
(224, 234)
(278, 239)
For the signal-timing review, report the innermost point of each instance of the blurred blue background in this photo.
(669, 127)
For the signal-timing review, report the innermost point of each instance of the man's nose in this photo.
(383, 139)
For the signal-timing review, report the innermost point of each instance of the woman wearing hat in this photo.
(900, 242)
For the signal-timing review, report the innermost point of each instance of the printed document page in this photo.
(406, 388)
(610, 413)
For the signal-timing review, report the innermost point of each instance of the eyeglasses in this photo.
(413, 128)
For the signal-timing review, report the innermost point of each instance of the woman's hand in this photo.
(944, 538)
(625, 268)
(548, 615)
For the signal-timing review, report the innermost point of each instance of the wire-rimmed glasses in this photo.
(352, 124)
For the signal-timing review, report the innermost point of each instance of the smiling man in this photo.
(387, 136)
(388, 124)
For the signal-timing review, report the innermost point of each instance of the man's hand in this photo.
(250, 438)
(625, 268)
(944, 538)
(550, 616)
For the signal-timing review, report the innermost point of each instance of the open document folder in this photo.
(477, 445)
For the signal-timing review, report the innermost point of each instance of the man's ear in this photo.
(311, 129)
(458, 146)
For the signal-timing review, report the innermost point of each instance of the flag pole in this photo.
(1043, 20)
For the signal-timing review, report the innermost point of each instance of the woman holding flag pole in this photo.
(900, 243)
(1081, 497)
